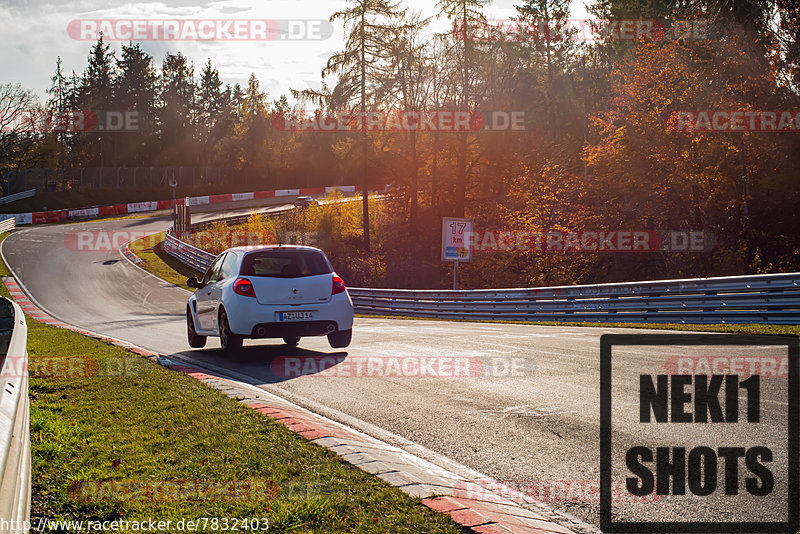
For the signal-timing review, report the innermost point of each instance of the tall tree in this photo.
(281, 105)
(212, 102)
(136, 90)
(59, 89)
(465, 14)
(176, 116)
(97, 95)
(237, 97)
(550, 45)
(99, 77)
(360, 67)
(253, 129)
(58, 102)
(409, 84)
(18, 137)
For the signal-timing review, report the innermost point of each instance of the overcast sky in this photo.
(34, 33)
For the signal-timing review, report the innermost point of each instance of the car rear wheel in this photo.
(291, 341)
(231, 343)
(340, 339)
(196, 341)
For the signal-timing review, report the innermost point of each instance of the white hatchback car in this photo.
(269, 291)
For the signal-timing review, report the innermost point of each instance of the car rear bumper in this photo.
(293, 329)
(246, 317)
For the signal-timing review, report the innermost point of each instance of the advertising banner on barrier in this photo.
(342, 188)
(242, 196)
(153, 205)
(84, 212)
(197, 201)
(23, 218)
(135, 207)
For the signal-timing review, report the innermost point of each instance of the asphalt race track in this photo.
(537, 430)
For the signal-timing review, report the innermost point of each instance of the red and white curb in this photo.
(440, 488)
(42, 217)
(130, 255)
(30, 309)
(34, 312)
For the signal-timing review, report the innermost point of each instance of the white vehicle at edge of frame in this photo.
(269, 291)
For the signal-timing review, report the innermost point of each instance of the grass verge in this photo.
(150, 249)
(165, 266)
(100, 413)
(3, 269)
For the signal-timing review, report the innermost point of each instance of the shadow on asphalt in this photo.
(273, 363)
(147, 220)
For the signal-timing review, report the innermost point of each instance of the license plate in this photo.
(296, 316)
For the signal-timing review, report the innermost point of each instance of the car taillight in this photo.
(244, 287)
(338, 285)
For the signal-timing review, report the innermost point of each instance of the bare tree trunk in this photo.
(461, 179)
(550, 112)
(414, 179)
(364, 186)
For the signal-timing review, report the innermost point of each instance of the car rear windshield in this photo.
(285, 263)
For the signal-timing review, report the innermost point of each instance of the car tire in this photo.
(291, 341)
(340, 339)
(231, 343)
(196, 341)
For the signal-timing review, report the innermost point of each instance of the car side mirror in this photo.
(192, 282)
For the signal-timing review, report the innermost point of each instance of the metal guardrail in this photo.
(763, 298)
(229, 221)
(767, 298)
(233, 220)
(199, 259)
(15, 443)
(17, 196)
(8, 224)
(194, 257)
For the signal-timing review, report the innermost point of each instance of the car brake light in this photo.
(338, 285)
(244, 287)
